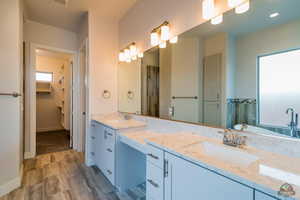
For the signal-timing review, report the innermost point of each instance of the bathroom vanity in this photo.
(183, 161)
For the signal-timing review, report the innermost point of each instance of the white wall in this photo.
(50, 36)
(48, 114)
(145, 15)
(248, 47)
(83, 30)
(103, 59)
(11, 14)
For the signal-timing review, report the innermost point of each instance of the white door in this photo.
(212, 90)
(185, 73)
(10, 81)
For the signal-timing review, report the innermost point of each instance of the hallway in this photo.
(54, 141)
(61, 176)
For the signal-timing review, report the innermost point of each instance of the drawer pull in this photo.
(93, 137)
(153, 156)
(92, 153)
(152, 183)
(109, 134)
(109, 172)
(109, 150)
(93, 125)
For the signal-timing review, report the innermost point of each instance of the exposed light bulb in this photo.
(128, 60)
(163, 45)
(141, 55)
(242, 8)
(165, 33)
(154, 39)
(121, 57)
(127, 54)
(133, 50)
(234, 3)
(208, 9)
(274, 15)
(174, 40)
(217, 20)
(134, 58)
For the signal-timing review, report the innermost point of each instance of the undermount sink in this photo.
(231, 155)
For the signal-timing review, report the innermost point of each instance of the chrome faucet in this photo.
(293, 123)
(233, 139)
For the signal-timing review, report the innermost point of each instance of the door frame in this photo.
(83, 143)
(30, 97)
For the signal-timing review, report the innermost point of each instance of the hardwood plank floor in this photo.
(62, 176)
(54, 141)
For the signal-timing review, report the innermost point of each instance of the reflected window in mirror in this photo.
(278, 88)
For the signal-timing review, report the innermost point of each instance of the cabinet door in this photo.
(186, 180)
(99, 150)
(109, 159)
(262, 196)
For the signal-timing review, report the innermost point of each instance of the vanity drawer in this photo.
(154, 182)
(109, 136)
(155, 156)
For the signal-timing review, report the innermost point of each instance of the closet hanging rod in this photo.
(185, 97)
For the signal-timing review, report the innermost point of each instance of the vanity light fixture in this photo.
(141, 55)
(165, 32)
(154, 38)
(242, 8)
(163, 45)
(217, 20)
(274, 15)
(208, 9)
(174, 40)
(129, 53)
(235, 3)
(161, 34)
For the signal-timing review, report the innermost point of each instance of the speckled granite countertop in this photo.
(116, 121)
(264, 171)
(258, 169)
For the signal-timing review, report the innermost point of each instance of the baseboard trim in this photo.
(10, 186)
(29, 155)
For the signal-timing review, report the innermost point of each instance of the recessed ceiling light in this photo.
(274, 15)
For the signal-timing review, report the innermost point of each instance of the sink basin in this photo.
(231, 155)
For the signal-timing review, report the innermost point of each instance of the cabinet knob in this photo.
(109, 172)
(93, 137)
(92, 153)
(109, 150)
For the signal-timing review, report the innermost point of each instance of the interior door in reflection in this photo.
(212, 90)
(153, 91)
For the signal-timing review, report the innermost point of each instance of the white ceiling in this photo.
(51, 13)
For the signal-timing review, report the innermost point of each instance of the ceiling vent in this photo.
(62, 2)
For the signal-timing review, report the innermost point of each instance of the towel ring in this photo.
(106, 94)
(130, 94)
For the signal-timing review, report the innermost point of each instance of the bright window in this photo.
(279, 87)
(44, 76)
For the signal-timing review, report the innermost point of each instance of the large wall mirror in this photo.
(242, 74)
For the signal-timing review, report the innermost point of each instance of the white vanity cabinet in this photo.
(103, 149)
(262, 196)
(186, 180)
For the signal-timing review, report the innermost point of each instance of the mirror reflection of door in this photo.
(212, 90)
(153, 91)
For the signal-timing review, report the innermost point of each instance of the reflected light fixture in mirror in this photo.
(163, 45)
(217, 20)
(174, 40)
(154, 38)
(129, 53)
(141, 55)
(242, 8)
(208, 9)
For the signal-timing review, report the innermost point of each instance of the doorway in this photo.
(53, 77)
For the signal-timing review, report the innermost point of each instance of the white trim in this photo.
(29, 155)
(31, 93)
(11, 185)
